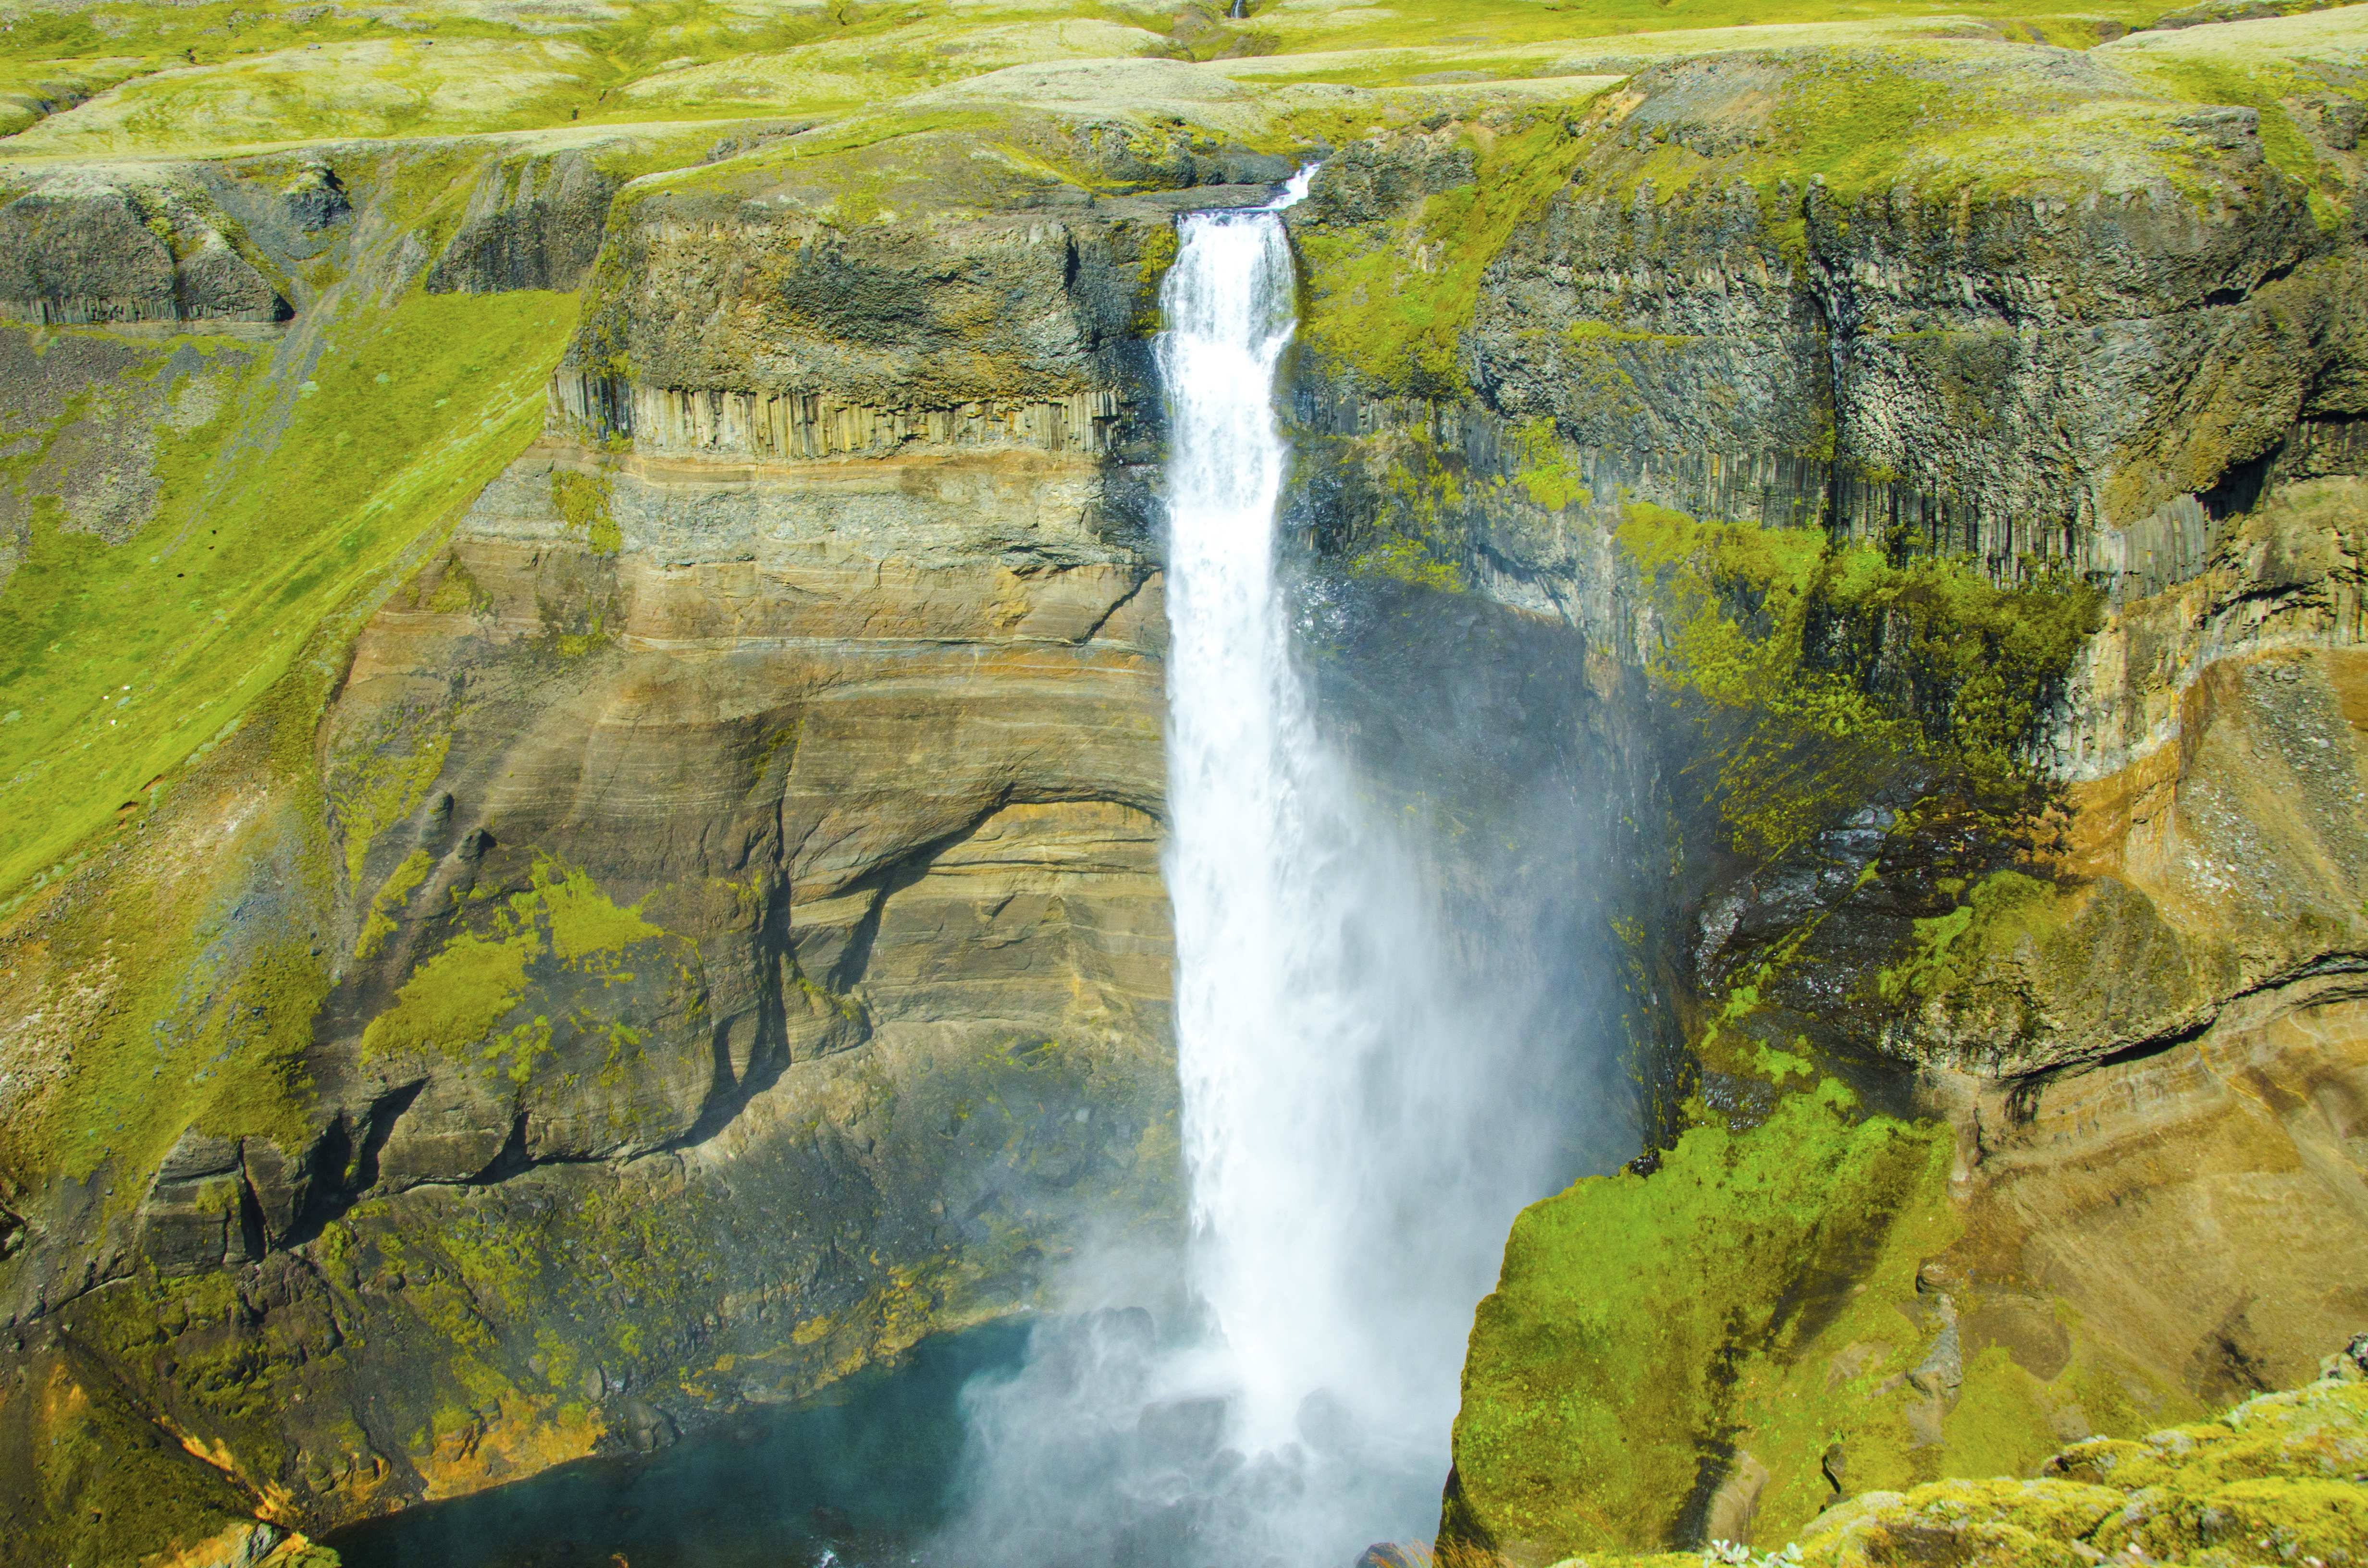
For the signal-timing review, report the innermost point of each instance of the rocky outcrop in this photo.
(76, 249)
(534, 223)
(2281, 1469)
(2078, 365)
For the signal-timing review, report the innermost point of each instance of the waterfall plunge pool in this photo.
(860, 1476)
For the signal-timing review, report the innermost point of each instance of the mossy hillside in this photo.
(123, 659)
(851, 208)
(1816, 135)
(1405, 517)
(32, 89)
(1470, 26)
(1820, 671)
(1606, 1364)
(2002, 912)
(581, 501)
(90, 1479)
(881, 53)
(1948, 122)
(377, 87)
(210, 76)
(202, 961)
(1781, 1292)
(2293, 72)
(1860, 1405)
(177, 969)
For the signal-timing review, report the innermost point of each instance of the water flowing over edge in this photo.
(1362, 1098)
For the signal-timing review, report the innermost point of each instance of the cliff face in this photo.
(2065, 398)
(702, 932)
(581, 723)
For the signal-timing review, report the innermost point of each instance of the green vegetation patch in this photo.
(1605, 1366)
(2268, 87)
(2276, 1478)
(368, 88)
(123, 659)
(1821, 669)
(1419, 539)
(213, 1038)
(456, 1001)
(1394, 301)
(581, 501)
(2006, 909)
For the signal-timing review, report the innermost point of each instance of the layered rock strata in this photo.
(2133, 1014)
(718, 893)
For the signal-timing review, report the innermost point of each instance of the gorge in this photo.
(741, 736)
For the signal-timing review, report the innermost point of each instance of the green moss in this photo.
(1764, 1293)
(2283, 145)
(581, 501)
(453, 1000)
(586, 927)
(208, 1032)
(1416, 535)
(455, 1003)
(2006, 908)
(2168, 1499)
(123, 659)
(457, 591)
(2001, 1424)
(1819, 669)
(1542, 466)
(1607, 1361)
(1159, 247)
(379, 786)
(391, 896)
(108, 1489)
(1393, 303)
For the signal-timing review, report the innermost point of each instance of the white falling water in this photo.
(1261, 1033)
(1366, 1103)
(1337, 1242)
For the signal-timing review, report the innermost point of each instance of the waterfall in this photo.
(1267, 1024)
(1371, 1085)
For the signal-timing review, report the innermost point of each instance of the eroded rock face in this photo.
(2135, 1012)
(730, 867)
(2087, 367)
(2201, 1201)
(83, 250)
(533, 223)
(755, 891)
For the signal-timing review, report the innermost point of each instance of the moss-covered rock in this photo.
(2282, 1477)
(1600, 1392)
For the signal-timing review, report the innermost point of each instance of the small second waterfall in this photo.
(1371, 1088)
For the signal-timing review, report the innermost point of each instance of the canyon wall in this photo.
(602, 866)
(2014, 815)
(695, 932)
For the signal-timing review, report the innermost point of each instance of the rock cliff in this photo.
(580, 720)
(2007, 761)
(698, 931)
